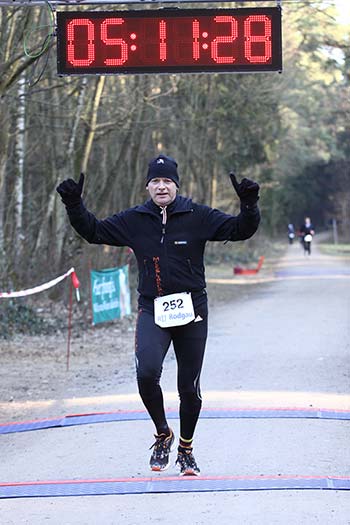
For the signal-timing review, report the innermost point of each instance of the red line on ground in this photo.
(31, 421)
(164, 478)
(140, 411)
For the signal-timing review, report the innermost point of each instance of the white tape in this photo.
(37, 289)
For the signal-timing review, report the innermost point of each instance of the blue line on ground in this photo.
(169, 485)
(125, 415)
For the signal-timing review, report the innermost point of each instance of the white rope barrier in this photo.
(36, 289)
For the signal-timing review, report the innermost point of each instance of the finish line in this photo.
(141, 415)
(152, 485)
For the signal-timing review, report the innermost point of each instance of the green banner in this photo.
(110, 294)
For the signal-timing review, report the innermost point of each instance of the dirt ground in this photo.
(34, 367)
(100, 358)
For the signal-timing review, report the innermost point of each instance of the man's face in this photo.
(162, 191)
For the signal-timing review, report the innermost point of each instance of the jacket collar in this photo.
(179, 205)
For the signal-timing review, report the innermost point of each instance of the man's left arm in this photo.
(245, 224)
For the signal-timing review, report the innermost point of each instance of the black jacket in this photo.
(169, 257)
(304, 230)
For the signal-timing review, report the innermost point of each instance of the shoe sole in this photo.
(189, 473)
(159, 469)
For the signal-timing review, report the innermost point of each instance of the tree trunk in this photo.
(53, 196)
(19, 180)
(93, 121)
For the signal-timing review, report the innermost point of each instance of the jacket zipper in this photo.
(164, 219)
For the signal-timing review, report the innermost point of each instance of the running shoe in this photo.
(186, 462)
(161, 449)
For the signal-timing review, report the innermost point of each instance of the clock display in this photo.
(169, 41)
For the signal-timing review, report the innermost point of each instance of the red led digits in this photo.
(251, 42)
(195, 47)
(74, 43)
(162, 41)
(224, 40)
(114, 42)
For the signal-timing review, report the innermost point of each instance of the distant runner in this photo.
(307, 232)
(168, 234)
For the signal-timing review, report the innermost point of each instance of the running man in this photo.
(168, 234)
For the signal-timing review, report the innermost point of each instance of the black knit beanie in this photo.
(163, 167)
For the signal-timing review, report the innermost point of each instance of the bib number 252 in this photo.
(173, 304)
(173, 310)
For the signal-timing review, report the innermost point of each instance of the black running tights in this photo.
(152, 344)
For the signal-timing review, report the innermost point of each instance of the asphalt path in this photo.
(284, 343)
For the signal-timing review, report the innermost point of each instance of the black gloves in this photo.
(70, 191)
(247, 190)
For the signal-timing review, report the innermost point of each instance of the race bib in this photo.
(173, 310)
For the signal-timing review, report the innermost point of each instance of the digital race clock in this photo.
(169, 41)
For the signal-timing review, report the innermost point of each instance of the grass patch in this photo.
(335, 249)
(17, 318)
(221, 258)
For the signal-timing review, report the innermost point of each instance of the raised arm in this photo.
(112, 230)
(249, 218)
(224, 227)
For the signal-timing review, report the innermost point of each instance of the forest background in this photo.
(289, 131)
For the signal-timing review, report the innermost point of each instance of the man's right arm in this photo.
(112, 231)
